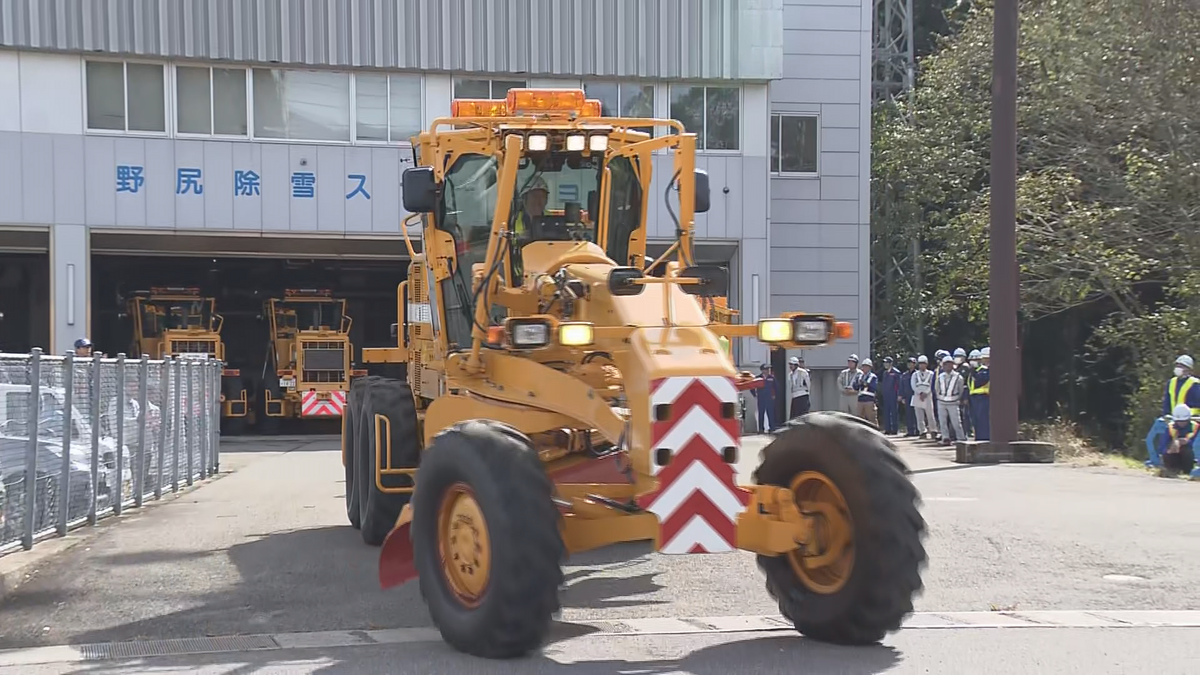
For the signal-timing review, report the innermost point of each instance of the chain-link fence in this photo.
(82, 438)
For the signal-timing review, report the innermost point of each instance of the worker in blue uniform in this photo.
(1176, 447)
(1180, 389)
(906, 395)
(766, 399)
(980, 396)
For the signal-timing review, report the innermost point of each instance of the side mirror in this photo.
(714, 280)
(621, 281)
(703, 196)
(419, 189)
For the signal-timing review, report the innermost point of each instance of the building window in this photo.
(495, 89)
(626, 99)
(210, 100)
(301, 105)
(712, 113)
(794, 144)
(126, 96)
(387, 107)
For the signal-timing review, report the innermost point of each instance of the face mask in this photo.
(1178, 371)
(974, 364)
(958, 360)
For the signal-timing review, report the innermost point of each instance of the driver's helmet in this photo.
(538, 183)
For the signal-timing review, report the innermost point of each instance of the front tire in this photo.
(866, 588)
(485, 504)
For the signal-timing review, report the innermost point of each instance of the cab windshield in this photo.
(556, 197)
(162, 315)
(307, 315)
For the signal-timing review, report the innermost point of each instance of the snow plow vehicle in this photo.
(557, 399)
(178, 321)
(307, 370)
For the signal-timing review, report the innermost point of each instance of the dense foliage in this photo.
(1108, 202)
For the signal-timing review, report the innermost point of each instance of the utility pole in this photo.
(1003, 277)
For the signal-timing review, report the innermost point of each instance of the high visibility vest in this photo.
(984, 388)
(1186, 439)
(1180, 395)
(519, 226)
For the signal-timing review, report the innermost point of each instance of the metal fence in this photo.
(82, 438)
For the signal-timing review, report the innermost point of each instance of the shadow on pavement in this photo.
(772, 654)
(313, 580)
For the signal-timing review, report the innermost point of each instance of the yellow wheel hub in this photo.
(824, 563)
(463, 541)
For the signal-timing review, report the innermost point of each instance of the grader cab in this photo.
(178, 321)
(307, 371)
(559, 399)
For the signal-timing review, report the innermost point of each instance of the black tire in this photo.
(512, 615)
(349, 452)
(888, 530)
(392, 399)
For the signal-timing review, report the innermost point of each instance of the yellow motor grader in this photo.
(559, 399)
(178, 321)
(307, 371)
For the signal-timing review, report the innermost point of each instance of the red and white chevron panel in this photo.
(313, 406)
(698, 500)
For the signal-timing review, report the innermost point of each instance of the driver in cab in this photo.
(533, 209)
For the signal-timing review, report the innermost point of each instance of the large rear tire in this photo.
(866, 588)
(393, 400)
(349, 435)
(485, 536)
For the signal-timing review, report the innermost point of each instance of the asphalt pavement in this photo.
(265, 550)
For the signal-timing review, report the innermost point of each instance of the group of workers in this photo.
(1170, 441)
(946, 406)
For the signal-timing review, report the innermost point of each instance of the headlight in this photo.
(576, 143)
(598, 143)
(774, 330)
(810, 330)
(528, 334)
(576, 334)
(538, 143)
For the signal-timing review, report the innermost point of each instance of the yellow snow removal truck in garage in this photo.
(558, 400)
(178, 321)
(307, 371)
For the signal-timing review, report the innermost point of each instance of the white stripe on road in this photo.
(620, 627)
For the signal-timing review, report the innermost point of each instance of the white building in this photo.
(140, 135)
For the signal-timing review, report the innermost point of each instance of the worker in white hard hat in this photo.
(866, 387)
(981, 402)
(845, 381)
(1181, 389)
(949, 389)
(965, 369)
(1176, 447)
(922, 398)
(799, 383)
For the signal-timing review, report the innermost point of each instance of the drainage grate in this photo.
(176, 647)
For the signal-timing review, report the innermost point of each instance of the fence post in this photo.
(164, 413)
(120, 414)
(218, 373)
(191, 405)
(68, 403)
(31, 452)
(205, 368)
(94, 415)
(177, 429)
(140, 461)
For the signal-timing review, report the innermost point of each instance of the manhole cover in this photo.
(1125, 578)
